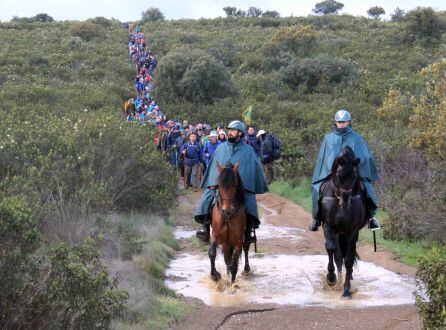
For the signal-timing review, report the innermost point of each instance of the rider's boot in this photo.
(250, 238)
(204, 232)
(314, 225)
(374, 224)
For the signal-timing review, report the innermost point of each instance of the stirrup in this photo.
(251, 239)
(202, 234)
(374, 224)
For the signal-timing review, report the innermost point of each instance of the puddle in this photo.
(286, 279)
(283, 279)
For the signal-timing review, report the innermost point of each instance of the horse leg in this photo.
(212, 254)
(234, 262)
(349, 260)
(227, 255)
(246, 246)
(330, 246)
(339, 260)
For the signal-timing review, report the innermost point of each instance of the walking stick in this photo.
(255, 243)
(176, 163)
(184, 171)
(374, 240)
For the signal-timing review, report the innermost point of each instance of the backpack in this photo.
(275, 146)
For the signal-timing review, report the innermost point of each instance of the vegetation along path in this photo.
(286, 288)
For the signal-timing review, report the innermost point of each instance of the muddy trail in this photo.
(286, 288)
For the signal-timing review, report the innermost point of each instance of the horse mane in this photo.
(229, 178)
(345, 151)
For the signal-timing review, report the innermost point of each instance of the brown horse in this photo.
(229, 221)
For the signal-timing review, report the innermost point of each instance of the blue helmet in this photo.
(343, 115)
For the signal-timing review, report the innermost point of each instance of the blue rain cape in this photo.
(330, 149)
(249, 169)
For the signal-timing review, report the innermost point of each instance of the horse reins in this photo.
(227, 214)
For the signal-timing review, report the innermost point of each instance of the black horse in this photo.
(343, 215)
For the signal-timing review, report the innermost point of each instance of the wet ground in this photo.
(287, 276)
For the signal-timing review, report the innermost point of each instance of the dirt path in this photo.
(287, 222)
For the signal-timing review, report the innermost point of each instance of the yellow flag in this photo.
(247, 115)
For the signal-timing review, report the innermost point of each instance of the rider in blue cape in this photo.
(343, 135)
(233, 151)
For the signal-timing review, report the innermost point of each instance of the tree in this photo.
(398, 15)
(328, 7)
(230, 11)
(43, 18)
(424, 25)
(254, 12)
(376, 11)
(240, 13)
(152, 15)
(270, 13)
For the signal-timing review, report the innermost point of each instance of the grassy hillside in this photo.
(68, 162)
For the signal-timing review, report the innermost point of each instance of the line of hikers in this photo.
(188, 147)
(195, 149)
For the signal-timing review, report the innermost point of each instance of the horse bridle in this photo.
(227, 214)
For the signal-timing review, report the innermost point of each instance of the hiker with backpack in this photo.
(253, 140)
(270, 150)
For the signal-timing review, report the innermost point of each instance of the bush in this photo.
(85, 30)
(299, 40)
(311, 72)
(19, 238)
(193, 76)
(77, 292)
(429, 112)
(423, 25)
(430, 291)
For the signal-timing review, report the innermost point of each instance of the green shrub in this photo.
(423, 25)
(85, 30)
(193, 76)
(313, 71)
(299, 40)
(77, 290)
(19, 238)
(430, 291)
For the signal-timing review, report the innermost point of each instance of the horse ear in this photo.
(236, 167)
(219, 168)
(357, 161)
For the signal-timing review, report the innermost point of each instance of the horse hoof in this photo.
(247, 269)
(347, 294)
(216, 276)
(331, 278)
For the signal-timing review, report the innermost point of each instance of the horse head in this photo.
(345, 174)
(230, 186)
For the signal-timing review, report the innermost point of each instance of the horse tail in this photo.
(343, 244)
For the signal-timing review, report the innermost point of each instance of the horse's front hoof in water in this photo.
(331, 278)
(347, 294)
(216, 276)
(247, 269)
